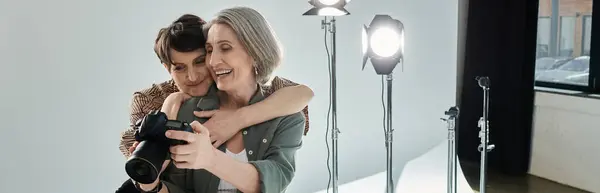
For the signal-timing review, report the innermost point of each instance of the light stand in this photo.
(389, 136)
(483, 123)
(383, 43)
(331, 8)
(452, 114)
(330, 26)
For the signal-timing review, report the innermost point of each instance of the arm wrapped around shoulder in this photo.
(277, 169)
(139, 107)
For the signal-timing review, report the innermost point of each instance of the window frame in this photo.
(593, 86)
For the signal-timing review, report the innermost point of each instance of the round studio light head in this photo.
(383, 43)
(328, 8)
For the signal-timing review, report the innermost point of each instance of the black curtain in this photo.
(500, 44)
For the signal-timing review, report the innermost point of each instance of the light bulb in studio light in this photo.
(331, 11)
(328, 8)
(385, 41)
(329, 2)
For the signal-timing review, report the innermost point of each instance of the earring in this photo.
(255, 71)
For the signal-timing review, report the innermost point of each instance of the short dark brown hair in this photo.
(183, 35)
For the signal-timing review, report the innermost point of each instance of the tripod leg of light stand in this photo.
(389, 133)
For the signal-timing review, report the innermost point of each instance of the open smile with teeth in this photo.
(223, 72)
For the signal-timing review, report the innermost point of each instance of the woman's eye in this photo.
(178, 68)
(225, 47)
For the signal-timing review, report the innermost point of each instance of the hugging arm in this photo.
(272, 174)
(284, 98)
(138, 110)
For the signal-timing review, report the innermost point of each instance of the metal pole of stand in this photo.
(389, 133)
(452, 114)
(330, 26)
(484, 146)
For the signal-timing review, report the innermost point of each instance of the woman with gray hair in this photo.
(242, 52)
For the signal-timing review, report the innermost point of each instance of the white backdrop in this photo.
(70, 66)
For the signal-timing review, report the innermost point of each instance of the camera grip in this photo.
(184, 127)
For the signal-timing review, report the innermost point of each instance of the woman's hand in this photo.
(133, 146)
(172, 104)
(198, 153)
(222, 125)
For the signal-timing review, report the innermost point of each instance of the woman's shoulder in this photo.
(296, 120)
(156, 93)
(158, 89)
(277, 83)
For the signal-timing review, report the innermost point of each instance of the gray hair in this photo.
(257, 36)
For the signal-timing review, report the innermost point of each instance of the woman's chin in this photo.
(222, 86)
(223, 83)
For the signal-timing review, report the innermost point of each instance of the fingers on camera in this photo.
(181, 150)
(181, 135)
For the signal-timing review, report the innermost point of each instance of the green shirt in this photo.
(270, 147)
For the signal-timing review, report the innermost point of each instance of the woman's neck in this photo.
(241, 96)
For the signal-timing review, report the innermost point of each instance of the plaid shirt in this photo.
(152, 98)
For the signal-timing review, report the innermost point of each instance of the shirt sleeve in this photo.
(278, 83)
(137, 111)
(279, 166)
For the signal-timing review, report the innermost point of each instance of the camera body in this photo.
(146, 161)
(154, 125)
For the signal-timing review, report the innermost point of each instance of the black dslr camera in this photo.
(146, 161)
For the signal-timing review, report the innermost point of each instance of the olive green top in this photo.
(270, 147)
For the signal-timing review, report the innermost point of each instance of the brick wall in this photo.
(576, 8)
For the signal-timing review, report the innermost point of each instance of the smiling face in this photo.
(229, 62)
(189, 71)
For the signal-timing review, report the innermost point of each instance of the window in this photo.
(564, 56)
(567, 36)
(587, 35)
(543, 36)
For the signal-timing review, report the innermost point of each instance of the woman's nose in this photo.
(215, 58)
(192, 75)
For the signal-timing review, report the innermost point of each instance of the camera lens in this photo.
(141, 171)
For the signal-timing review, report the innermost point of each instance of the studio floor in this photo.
(498, 183)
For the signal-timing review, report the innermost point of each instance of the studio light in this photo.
(383, 43)
(452, 114)
(484, 126)
(328, 7)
